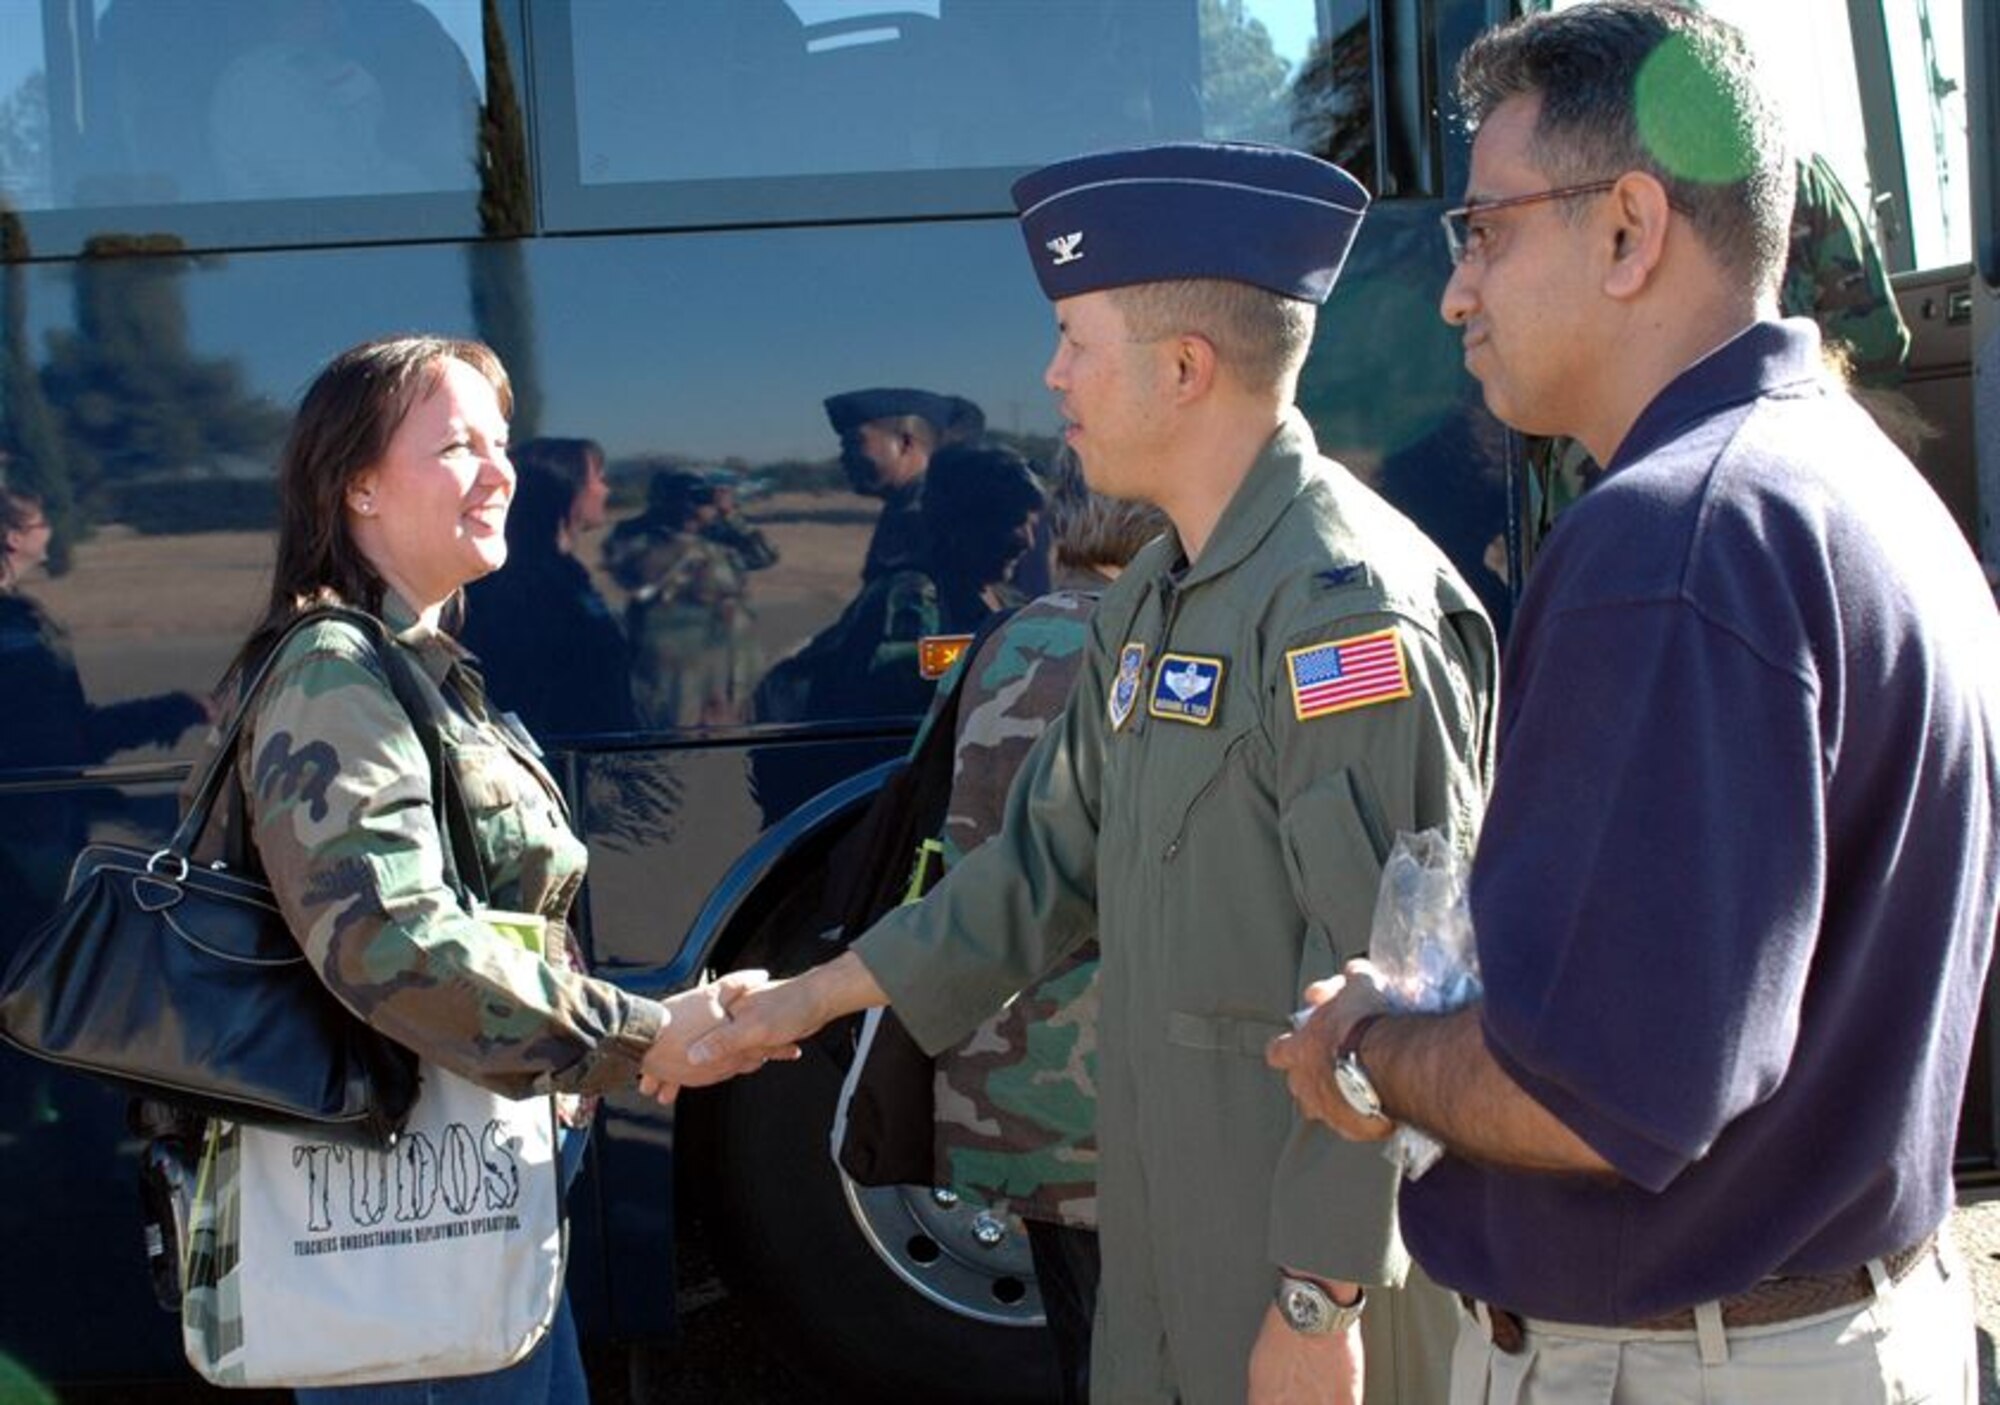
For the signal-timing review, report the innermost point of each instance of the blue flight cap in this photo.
(855, 408)
(1263, 215)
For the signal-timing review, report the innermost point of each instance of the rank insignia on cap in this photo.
(1067, 248)
(936, 653)
(1186, 688)
(1125, 687)
(1348, 673)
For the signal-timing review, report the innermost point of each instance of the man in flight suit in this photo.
(1270, 692)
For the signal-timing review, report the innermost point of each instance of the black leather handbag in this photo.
(184, 984)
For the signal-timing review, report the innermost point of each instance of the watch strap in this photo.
(1356, 1032)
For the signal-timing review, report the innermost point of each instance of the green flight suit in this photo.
(1222, 866)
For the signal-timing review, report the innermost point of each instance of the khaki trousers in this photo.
(1913, 1342)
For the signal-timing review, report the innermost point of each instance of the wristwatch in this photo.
(1353, 1080)
(1309, 1309)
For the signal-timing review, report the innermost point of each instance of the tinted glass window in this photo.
(218, 117)
(707, 91)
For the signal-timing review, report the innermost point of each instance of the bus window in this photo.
(1927, 68)
(758, 109)
(202, 113)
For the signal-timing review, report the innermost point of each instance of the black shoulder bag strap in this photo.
(873, 864)
(464, 872)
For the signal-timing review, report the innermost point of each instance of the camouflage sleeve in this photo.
(1834, 274)
(341, 815)
(1015, 687)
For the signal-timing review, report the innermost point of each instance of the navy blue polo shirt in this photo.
(1735, 892)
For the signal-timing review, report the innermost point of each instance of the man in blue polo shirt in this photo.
(1735, 893)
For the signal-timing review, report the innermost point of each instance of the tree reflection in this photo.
(24, 142)
(1333, 104)
(138, 404)
(1242, 75)
(503, 305)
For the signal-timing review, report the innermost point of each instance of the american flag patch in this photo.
(1347, 673)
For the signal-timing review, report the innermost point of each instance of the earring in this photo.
(365, 506)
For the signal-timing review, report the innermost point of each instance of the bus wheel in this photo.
(898, 1293)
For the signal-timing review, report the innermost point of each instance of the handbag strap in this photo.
(464, 872)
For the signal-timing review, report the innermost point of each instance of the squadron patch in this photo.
(1125, 687)
(1348, 673)
(936, 653)
(1186, 688)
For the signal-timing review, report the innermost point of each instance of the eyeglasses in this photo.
(1468, 241)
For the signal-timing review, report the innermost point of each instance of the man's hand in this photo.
(1291, 1368)
(691, 1014)
(778, 1014)
(1305, 1056)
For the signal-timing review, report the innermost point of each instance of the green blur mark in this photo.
(1691, 117)
(20, 1386)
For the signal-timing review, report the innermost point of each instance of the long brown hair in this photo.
(343, 427)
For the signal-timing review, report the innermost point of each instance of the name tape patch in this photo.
(1186, 688)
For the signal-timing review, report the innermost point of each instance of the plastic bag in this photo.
(1421, 943)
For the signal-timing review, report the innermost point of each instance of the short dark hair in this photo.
(1653, 86)
(548, 475)
(978, 484)
(569, 460)
(1260, 335)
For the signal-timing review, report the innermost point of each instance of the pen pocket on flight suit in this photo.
(1177, 811)
(1336, 842)
(1245, 1034)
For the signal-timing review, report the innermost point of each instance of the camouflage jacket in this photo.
(675, 568)
(340, 812)
(1017, 1102)
(1834, 275)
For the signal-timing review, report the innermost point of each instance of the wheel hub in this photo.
(962, 1256)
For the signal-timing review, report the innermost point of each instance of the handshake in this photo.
(741, 1021)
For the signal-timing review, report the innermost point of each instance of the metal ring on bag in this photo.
(168, 854)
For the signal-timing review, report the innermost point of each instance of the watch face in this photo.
(1356, 1086)
(1305, 1307)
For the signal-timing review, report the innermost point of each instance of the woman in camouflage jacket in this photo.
(394, 491)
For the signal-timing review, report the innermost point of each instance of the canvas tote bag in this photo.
(318, 1263)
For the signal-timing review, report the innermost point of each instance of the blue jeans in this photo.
(552, 1374)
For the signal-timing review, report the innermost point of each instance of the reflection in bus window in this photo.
(704, 89)
(1927, 55)
(190, 101)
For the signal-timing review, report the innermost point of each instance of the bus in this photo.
(686, 225)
